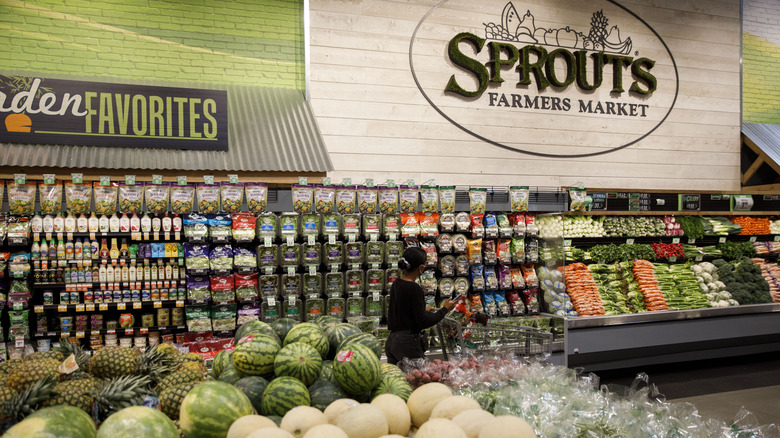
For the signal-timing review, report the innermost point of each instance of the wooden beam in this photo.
(762, 154)
(752, 170)
(764, 189)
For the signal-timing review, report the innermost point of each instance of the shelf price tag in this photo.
(355, 267)
(722, 240)
(267, 242)
(332, 239)
(130, 180)
(291, 270)
(233, 178)
(312, 270)
(121, 306)
(62, 308)
(390, 183)
(90, 307)
(392, 237)
(753, 239)
(95, 333)
(351, 238)
(79, 307)
(374, 237)
(77, 178)
(157, 179)
(369, 182)
(290, 240)
(103, 307)
(20, 178)
(137, 305)
(699, 258)
(48, 178)
(105, 180)
(19, 342)
(18, 306)
(157, 304)
(144, 330)
(567, 242)
(110, 332)
(691, 241)
(672, 259)
(129, 332)
(38, 309)
(676, 240)
(311, 240)
(269, 270)
(777, 238)
(302, 180)
(208, 179)
(79, 334)
(630, 241)
(179, 303)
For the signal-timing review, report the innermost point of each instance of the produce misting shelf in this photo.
(628, 341)
(670, 213)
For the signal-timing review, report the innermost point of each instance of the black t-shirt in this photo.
(407, 308)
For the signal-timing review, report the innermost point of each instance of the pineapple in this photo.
(73, 393)
(28, 400)
(6, 367)
(29, 371)
(171, 398)
(118, 393)
(51, 354)
(168, 349)
(6, 394)
(155, 363)
(598, 29)
(186, 374)
(110, 362)
(82, 356)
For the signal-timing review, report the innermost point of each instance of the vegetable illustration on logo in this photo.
(23, 87)
(523, 29)
(18, 123)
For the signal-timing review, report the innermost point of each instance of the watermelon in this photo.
(282, 326)
(220, 361)
(357, 369)
(276, 419)
(138, 421)
(366, 339)
(254, 328)
(388, 368)
(253, 387)
(309, 333)
(327, 371)
(210, 408)
(57, 421)
(326, 321)
(393, 384)
(256, 357)
(283, 394)
(323, 393)
(230, 374)
(337, 334)
(298, 360)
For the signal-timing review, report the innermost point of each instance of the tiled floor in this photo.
(762, 402)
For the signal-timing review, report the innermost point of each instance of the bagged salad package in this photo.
(256, 197)
(408, 197)
(518, 198)
(303, 198)
(78, 198)
(50, 198)
(105, 198)
(157, 198)
(430, 199)
(345, 199)
(477, 200)
(325, 199)
(182, 199)
(131, 198)
(21, 198)
(447, 199)
(367, 200)
(208, 198)
(232, 195)
(388, 200)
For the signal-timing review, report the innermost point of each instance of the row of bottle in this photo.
(104, 224)
(88, 273)
(63, 249)
(113, 293)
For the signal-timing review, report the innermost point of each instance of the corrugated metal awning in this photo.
(270, 129)
(766, 137)
(760, 156)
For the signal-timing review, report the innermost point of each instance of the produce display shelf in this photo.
(668, 213)
(120, 331)
(627, 341)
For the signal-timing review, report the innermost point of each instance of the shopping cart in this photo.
(521, 341)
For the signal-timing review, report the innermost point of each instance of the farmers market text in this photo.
(553, 103)
(534, 64)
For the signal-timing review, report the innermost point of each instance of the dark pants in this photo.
(402, 345)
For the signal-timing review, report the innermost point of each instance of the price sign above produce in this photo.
(54, 111)
(690, 202)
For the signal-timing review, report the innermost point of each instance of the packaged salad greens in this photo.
(504, 277)
(491, 226)
(256, 197)
(223, 317)
(577, 195)
(331, 224)
(410, 225)
(267, 256)
(372, 225)
(246, 287)
(447, 266)
(518, 250)
(375, 281)
(351, 224)
(474, 250)
(222, 289)
(198, 318)
(447, 222)
(429, 224)
(303, 198)
(243, 225)
(267, 225)
(288, 224)
(324, 199)
(290, 255)
(310, 224)
(291, 285)
(314, 308)
(459, 244)
(198, 288)
(504, 251)
(105, 198)
(491, 279)
(247, 312)
(504, 225)
(477, 226)
(220, 226)
(221, 258)
(446, 287)
(408, 198)
(270, 309)
(532, 250)
(428, 281)
(196, 256)
(430, 199)
(444, 243)
(394, 250)
(21, 198)
(345, 199)
(388, 200)
(432, 256)
(518, 281)
(208, 198)
(131, 198)
(312, 254)
(232, 195)
(447, 199)
(518, 224)
(477, 278)
(195, 226)
(312, 284)
(78, 198)
(462, 286)
(335, 306)
(354, 253)
(374, 305)
(355, 306)
(489, 252)
(462, 222)
(375, 252)
(355, 282)
(334, 284)
(269, 285)
(367, 199)
(477, 200)
(333, 253)
(293, 307)
(518, 198)
(157, 197)
(182, 199)
(391, 223)
(391, 275)
(50, 198)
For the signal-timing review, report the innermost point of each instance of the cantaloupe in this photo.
(451, 406)
(338, 407)
(471, 421)
(507, 426)
(270, 432)
(325, 431)
(363, 421)
(424, 399)
(399, 420)
(300, 419)
(247, 424)
(439, 428)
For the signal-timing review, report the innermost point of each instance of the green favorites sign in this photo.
(53, 111)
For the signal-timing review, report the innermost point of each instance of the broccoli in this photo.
(744, 281)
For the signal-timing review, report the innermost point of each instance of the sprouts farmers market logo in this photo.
(53, 111)
(543, 83)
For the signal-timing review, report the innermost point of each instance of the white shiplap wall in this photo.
(377, 125)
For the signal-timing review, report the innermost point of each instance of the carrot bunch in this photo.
(648, 285)
(582, 290)
(752, 225)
